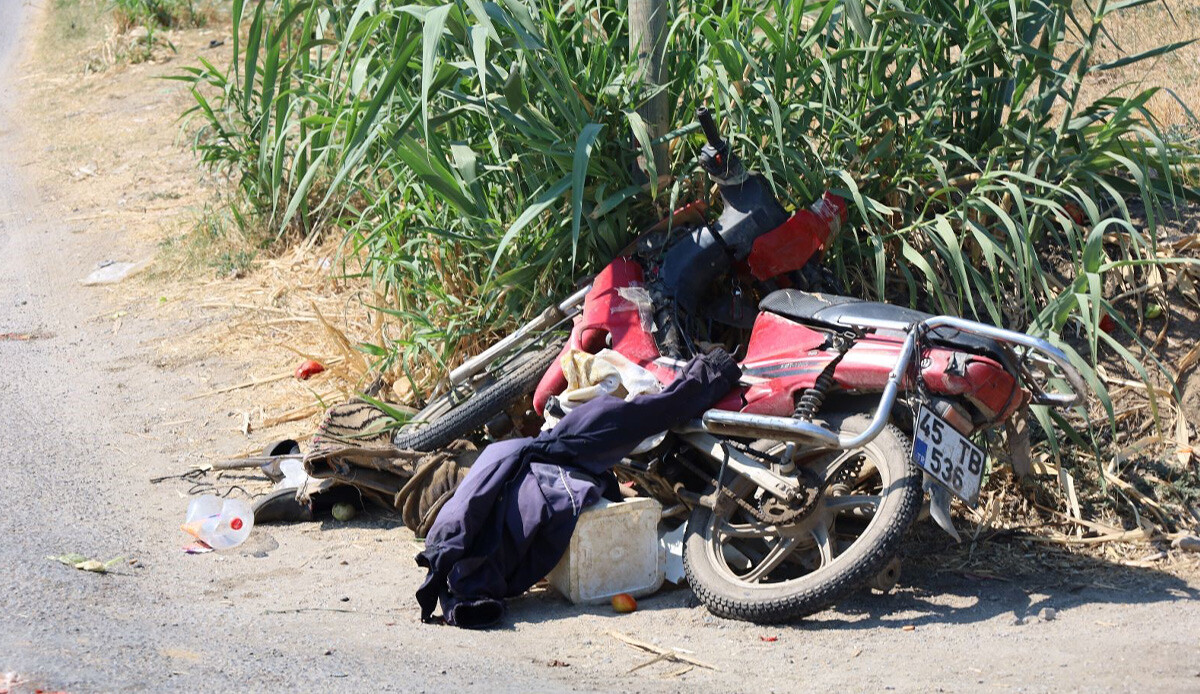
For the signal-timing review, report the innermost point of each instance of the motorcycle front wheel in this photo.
(465, 409)
(742, 567)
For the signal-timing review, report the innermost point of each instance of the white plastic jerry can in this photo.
(614, 550)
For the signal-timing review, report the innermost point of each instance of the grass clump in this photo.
(213, 244)
(161, 14)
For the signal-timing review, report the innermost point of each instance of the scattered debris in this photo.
(292, 415)
(257, 381)
(111, 272)
(1048, 614)
(23, 337)
(909, 627)
(768, 639)
(299, 610)
(197, 547)
(677, 655)
(1146, 561)
(83, 563)
(623, 603)
(308, 369)
(218, 523)
(9, 681)
(885, 581)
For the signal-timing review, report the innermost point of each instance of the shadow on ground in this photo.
(1006, 580)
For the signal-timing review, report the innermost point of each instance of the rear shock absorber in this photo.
(811, 399)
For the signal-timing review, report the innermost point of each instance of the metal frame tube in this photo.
(567, 308)
(778, 485)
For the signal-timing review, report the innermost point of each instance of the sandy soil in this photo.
(96, 406)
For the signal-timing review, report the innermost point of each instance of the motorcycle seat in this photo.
(837, 312)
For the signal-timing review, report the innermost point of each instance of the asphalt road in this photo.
(329, 607)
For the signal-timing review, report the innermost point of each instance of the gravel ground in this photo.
(329, 607)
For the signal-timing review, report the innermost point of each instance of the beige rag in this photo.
(604, 373)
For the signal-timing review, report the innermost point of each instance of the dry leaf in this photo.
(1183, 452)
(1189, 360)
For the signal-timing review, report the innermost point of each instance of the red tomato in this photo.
(309, 369)
(624, 602)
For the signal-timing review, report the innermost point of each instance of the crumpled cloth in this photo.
(608, 372)
(605, 373)
(353, 446)
(511, 519)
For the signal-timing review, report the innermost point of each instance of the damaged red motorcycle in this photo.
(798, 487)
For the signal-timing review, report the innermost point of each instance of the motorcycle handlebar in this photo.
(709, 126)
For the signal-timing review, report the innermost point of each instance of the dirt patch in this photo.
(111, 153)
(1138, 29)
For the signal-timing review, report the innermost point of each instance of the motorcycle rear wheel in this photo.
(459, 412)
(742, 568)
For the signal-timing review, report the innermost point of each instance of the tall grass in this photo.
(478, 156)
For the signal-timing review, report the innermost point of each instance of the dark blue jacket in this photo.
(511, 519)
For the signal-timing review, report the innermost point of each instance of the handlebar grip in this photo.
(709, 126)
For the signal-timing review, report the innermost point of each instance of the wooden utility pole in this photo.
(647, 42)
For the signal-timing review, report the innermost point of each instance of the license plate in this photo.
(948, 456)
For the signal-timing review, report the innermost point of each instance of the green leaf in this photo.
(857, 16)
(1152, 53)
(540, 204)
(434, 25)
(642, 134)
(252, 44)
(583, 153)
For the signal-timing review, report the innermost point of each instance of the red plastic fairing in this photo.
(784, 358)
(553, 382)
(982, 381)
(792, 244)
(775, 337)
(618, 306)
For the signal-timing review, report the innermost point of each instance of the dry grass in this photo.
(1142, 28)
(106, 149)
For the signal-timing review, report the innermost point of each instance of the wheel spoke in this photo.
(852, 503)
(821, 535)
(745, 530)
(772, 561)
